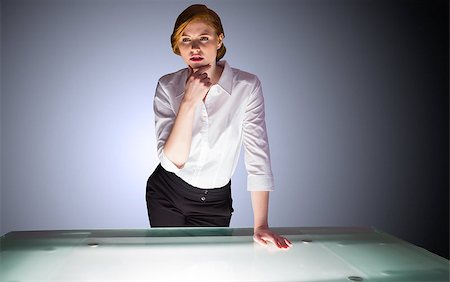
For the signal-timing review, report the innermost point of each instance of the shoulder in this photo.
(172, 77)
(245, 78)
(245, 82)
(173, 83)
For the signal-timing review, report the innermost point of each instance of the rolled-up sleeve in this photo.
(164, 119)
(256, 144)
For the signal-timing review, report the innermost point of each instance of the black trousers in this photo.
(171, 202)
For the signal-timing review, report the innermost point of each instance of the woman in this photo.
(203, 114)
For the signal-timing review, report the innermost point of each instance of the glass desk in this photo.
(329, 254)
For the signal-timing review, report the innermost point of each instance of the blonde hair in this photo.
(194, 13)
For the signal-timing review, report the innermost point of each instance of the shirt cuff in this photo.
(168, 164)
(260, 183)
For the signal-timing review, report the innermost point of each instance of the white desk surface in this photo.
(328, 254)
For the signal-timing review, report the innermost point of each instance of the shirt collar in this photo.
(226, 79)
(225, 82)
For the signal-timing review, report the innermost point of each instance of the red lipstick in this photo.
(196, 58)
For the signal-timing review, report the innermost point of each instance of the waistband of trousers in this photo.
(192, 189)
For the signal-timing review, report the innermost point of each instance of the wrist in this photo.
(260, 227)
(187, 105)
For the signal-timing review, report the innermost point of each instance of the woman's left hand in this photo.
(263, 235)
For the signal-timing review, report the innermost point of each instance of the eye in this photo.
(204, 39)
(185, 40)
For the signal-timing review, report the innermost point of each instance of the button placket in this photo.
(204, 123)
(204, 135)
(203, 198)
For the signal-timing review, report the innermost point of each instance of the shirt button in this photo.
(206, 192)
(203, 199)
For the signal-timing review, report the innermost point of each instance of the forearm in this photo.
(262, 234)
(260, 204)
(178, 144)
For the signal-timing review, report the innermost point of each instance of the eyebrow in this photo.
(203, 33)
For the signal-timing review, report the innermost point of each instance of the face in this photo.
(198, 44)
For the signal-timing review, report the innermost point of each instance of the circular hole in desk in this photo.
(355, 278)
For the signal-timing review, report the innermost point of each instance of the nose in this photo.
(195, 45)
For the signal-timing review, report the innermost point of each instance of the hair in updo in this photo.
(194, 13)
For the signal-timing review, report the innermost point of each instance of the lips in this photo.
(196, 58)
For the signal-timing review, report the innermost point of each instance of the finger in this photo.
(283, 243)
(203, 76)
(205, 80)
(199, 76)
(272, 239)
(259, 240)
(288, 242)
(278, 241)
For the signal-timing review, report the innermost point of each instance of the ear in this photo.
(220, 41)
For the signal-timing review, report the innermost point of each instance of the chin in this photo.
(197, 65)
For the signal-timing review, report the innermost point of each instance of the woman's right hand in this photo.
(197, 85)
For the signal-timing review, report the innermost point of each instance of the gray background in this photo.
(356, 100)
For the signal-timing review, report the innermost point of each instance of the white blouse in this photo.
(232, 114)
